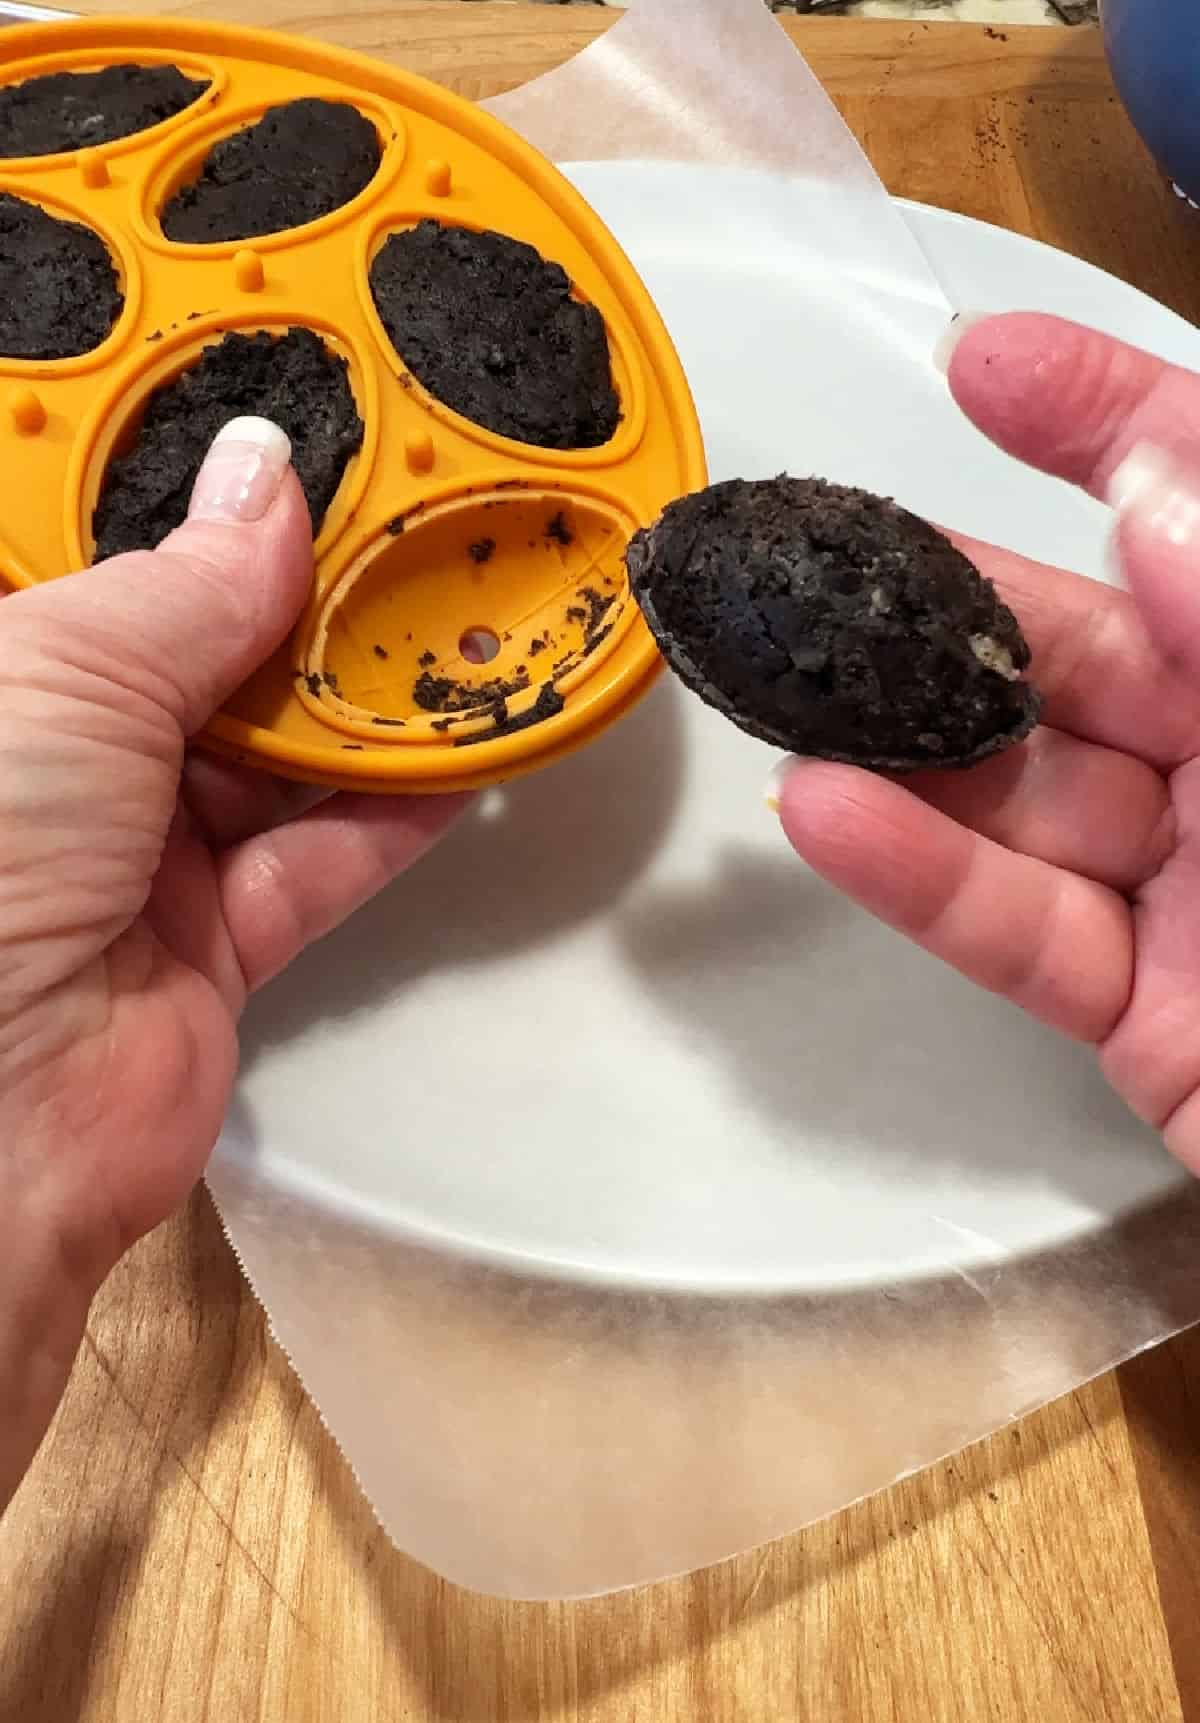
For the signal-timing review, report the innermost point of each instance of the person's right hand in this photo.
(1065, 874)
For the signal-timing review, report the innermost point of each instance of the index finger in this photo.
(1069, 400)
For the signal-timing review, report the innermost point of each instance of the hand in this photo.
(1065, 874)
(145, 892)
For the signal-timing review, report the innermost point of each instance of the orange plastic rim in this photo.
(448, 552)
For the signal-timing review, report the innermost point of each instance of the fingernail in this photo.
(1162, 496)
(242, 472)
(960, 325)
(773, 793)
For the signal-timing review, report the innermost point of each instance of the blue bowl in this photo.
(1153, 49)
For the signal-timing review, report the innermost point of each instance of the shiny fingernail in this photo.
(773, 792)
(960, 325)
(242, 472)
(1160, 495)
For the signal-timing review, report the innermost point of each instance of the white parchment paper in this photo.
(533, 1431)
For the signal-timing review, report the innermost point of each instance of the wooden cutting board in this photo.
(191, 1547)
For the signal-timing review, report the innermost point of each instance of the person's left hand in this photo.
(146, 891)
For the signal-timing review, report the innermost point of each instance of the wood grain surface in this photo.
(190, 1546)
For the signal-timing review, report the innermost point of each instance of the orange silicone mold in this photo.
(451, 558)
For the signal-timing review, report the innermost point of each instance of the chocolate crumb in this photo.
(598, 607)
(380, 651)
(396, 525)
(426, 658)
(444, 694)
(558, 530)
(314, 684)
(482, 550)
(548, 704)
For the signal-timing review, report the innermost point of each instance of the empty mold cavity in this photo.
(299, 162)
(292, 378)
(494, 331)
(465, 622)
(78, 110)
(60, 294)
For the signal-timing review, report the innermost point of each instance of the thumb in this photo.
(1156, 496)
(184, 625)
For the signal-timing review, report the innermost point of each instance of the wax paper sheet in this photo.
(531, 1431)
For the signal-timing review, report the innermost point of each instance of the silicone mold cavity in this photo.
(179, 169)
(113, 426)
(198, 70)
(440, 529)
(72, 208)
(626, 376)
(462, 616)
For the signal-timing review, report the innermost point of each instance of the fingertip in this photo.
(826, 808)
(1057, 395)
(1000, 363)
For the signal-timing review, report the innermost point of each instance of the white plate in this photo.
(612, 1027)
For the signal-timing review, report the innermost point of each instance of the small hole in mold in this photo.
(479, 645)
(453, 645)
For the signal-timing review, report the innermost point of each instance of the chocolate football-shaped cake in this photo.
(835, 624)
(493, 330)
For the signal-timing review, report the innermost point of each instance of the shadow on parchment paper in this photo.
(812, 1018)
(576, 836)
